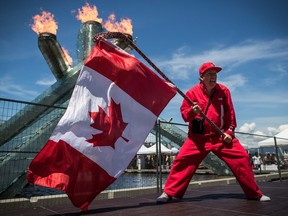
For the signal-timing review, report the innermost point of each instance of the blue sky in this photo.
(247, 38)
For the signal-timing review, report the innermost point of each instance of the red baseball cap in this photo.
(208, 65)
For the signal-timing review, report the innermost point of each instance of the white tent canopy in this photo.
(144, 150)
(270, 141)
(152, 150)
(174, 151)
(164, 150)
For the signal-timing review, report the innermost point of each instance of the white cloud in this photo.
(8, 87)
(275, 130)
(272, 130)
(283, 127)
(249, 135)
(247, 130)
(180, 63)
(280, 72)
(261, 98)
(234, 81)
(48, 81)
(247, 127)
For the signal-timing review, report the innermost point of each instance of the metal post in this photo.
(159, 154)
(158, 167)
(278, 161)
(157, 162)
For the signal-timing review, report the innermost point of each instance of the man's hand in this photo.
(227, 138)
(195, 108)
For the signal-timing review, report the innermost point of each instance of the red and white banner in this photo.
(114, 105)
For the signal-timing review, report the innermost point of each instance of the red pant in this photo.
(195, 150)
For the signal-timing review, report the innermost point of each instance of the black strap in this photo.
(209, 102)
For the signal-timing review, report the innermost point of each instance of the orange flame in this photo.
(88, 13)
(44, 23)
(125, 26)
(68, 57)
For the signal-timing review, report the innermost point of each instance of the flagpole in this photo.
(109, 35)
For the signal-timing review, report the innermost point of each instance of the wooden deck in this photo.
(211, 200)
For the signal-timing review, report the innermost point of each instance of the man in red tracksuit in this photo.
(215, 101)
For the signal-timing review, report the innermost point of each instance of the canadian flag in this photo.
(114, 105)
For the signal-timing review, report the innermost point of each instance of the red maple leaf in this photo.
(112, 125)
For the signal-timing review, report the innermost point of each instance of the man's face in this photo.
(209, 78)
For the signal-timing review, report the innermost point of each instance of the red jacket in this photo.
(220, 111)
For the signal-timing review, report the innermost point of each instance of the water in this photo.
(127, 180)
(138, 180)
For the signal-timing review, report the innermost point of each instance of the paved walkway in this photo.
(211, 200)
